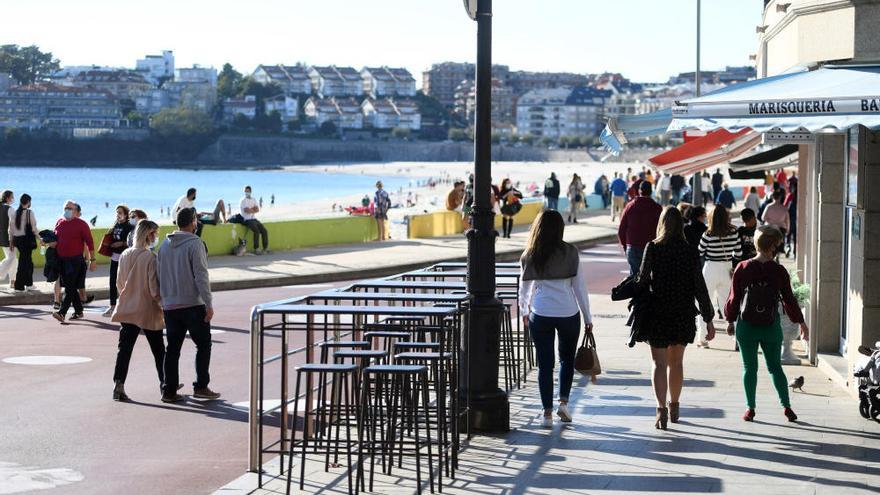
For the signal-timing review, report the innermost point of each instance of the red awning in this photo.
(715, 147)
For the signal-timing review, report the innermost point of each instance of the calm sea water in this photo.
(153, 188)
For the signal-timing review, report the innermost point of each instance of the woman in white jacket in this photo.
(553, 297)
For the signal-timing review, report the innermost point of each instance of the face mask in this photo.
(133, 221)
(247, 195)
(154, 243)
(68, 214)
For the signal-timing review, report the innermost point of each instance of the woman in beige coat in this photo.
(138, 307)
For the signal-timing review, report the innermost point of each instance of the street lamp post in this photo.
(489, 407)
(697, 191)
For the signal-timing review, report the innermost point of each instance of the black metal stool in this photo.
(344, 407)
(386, 338)
(408, 387)
(341, 344)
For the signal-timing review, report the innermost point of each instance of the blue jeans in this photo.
(541, 328)
(634, 258)
(552, 203)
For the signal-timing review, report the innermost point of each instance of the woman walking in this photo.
(758, 284)
(23, 233)
(575, 197)
(118, 243)
(671, 269)
(139, 305)
(510, 205)
(721, 248)
(553, 297)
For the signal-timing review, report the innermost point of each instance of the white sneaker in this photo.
(109, 312)
(546, 422)
(563, 414)
(704, 344)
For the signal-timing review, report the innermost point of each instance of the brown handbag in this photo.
(586, 360)
(105, 250)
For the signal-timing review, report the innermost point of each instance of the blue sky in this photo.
(646, 40)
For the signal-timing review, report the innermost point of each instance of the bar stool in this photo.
(341, 344)
(386, 338)
(408, 403)
(320, 445)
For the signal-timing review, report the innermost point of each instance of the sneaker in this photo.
(56, 305)
(109, 312)
(77, 316)
(563, 414)
(704, 344)
(169, 398)
(789, 414)
(58, 316)
(205, 393)
(547, 422)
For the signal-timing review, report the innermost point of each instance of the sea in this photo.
(99, 189)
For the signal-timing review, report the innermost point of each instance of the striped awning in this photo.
(716, 147)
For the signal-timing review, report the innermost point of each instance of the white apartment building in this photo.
(336, 81)
(387, 81)
(285, 105)
(156, 67)
(292, 79)
(320, 110)
(388, 113)
(233, 107)
(197, 74)
(409, 114)
(561, 112)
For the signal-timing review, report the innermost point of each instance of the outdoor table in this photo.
(437, 315)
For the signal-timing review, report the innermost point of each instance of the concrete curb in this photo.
(332, 276)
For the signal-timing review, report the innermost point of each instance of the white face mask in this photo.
(154, 243)
(247, 195)
(133, 221)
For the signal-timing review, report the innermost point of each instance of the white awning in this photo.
(831, 97)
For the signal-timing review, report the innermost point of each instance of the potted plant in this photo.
(791, 331)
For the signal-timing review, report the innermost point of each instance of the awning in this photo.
(624, 128)
(835, 97)
(754, 166)
(712, 149)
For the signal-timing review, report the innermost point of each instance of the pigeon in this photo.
(797, 383)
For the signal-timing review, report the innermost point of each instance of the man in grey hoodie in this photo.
(186, 301)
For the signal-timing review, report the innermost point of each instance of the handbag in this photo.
(586, 360)
(105, 250)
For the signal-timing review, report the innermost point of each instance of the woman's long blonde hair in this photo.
(670, 227)
(142, 231)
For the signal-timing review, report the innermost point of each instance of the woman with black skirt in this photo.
(510, 205)
(671, 268)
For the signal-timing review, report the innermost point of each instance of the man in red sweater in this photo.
(638, 226)
(74, 237)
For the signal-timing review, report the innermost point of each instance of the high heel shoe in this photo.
(673, 412)
(662, 418)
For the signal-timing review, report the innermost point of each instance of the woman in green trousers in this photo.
(758, 285)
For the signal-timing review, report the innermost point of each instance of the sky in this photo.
(645, 40)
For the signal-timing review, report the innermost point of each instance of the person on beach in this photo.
(638, 225)
(381, 205)
(758, 285)
(553, 297)
(185, 291)
(618, 196)
(721, 248)
(575, 197)
(139, 305)
(696, 225)
(510, 198)
(134, 217)
(551, 191)
(671, 269)
(455, 197)
(218, 215)
(73, 239)
(9, 265)
(23, 234)
(249, 208)
(118, 243)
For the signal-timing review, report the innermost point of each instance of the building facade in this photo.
(197, 74)
(334, 81)
(59, 108)
(292, 79)
(558, 112)
(388, 81)
(156, 68)
(441, 80)
(123, 84)
(838, 211)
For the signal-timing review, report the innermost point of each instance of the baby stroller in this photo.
(868, 374)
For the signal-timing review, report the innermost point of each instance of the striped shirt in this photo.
(723, 248)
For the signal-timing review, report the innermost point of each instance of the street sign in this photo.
(470, 6)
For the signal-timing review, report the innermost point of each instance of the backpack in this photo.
(759, 306)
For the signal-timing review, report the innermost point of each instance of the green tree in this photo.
(456, 134)
(527, 139)
(546, 141)
(328, 129)
(183, 122)
(496, 138)
(27, 64)
(228, 82)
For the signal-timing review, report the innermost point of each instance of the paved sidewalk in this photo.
(612, 447)
(333, 263)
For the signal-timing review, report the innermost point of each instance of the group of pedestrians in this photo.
(687, 271)
(575, 193)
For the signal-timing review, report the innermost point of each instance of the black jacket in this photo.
(640, 303)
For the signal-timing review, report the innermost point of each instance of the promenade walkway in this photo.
(332, 263)
(612, 446)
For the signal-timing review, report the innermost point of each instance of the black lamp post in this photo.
(489, 408)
